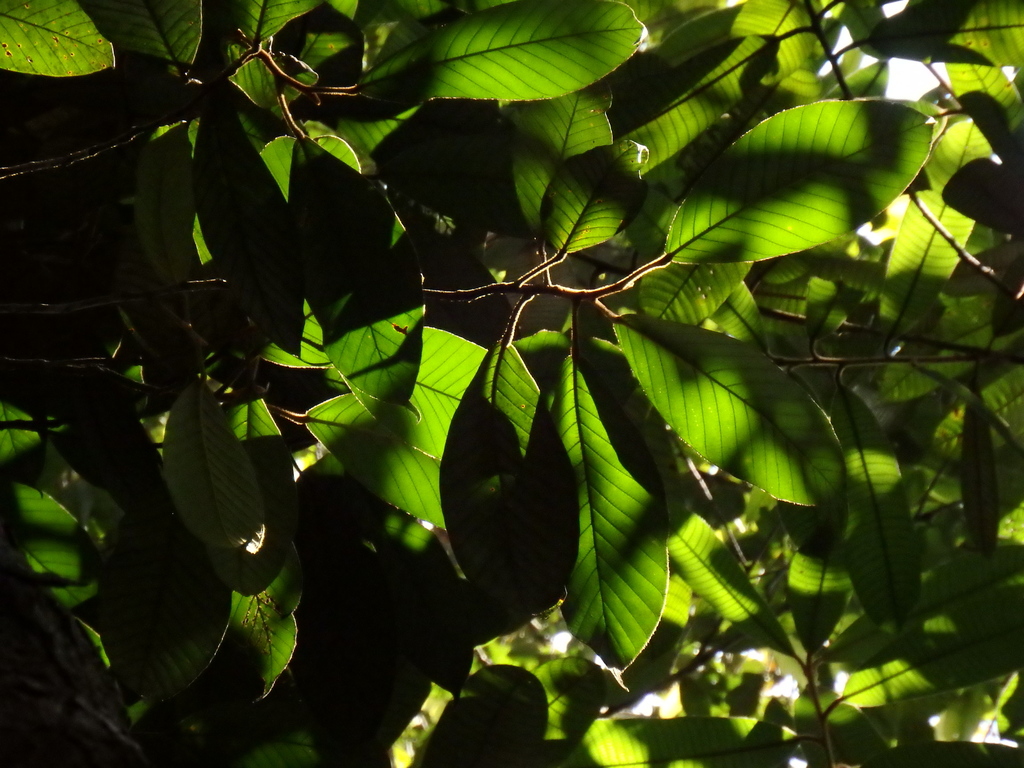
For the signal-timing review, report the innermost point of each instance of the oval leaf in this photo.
(531, 49)
(968, 628)
(594, 195)
(163, 611)
(548, 132)
(618, 586)
(683, 742)
(507, 489)
(799, 179)
(882, 549)
(167, 29)
(209, 474)
(259, 19)
(165, 210)
(735, 408)
(498, 720)
(247, 226)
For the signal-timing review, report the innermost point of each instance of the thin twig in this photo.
(964, 255)
(126, 138)
(191, 286)
(833, 60)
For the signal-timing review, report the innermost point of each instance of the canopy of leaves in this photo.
(525, 383)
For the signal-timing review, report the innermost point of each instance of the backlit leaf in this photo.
(249, 570)
(531, 49)
(593, 196)
(799, 179)
(970, 31)
(664, 104)
(683, 742)
(922, 260)
(735, 408)
(617, 588)
(548, 132)
(164, 206)
(259, 19)
(209, 474)
(507, 487)
(51, 37)
(968, 627)
(247, 226)
(882, 549)
(163, 609)
(168, 29)
(264, 624)
(689, 293)
(498, 720)
(53, 542)
(396, 452)
(979, 483)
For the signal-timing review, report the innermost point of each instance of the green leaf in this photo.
(379, 449)
(15, 442)
(449, 365)
(617, 589)
(165, 209)
(593, 196)
(967, 628)
(163, 611)
(711, 570)
(51, 539)
(209, 473)
(689, 293)
(947, 755)
(259, 19)
(993, 83)
(799, 179)
(979, 483)
(818, 586)
(167, 29)
(498, 720)
(881, 546)
(249, 570)
(922, 260)
(788, 22)
(368, 298)
(683, 742)
(531, 49)
(264, 625)
(735, 408)
(507, 489)
(547, 133)
(247, 226)
(664, 103)
(968, 31)
(396, 452)
(51, 37)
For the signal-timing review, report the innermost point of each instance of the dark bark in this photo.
(59, 706)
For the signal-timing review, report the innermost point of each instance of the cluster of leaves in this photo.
(449, 380)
